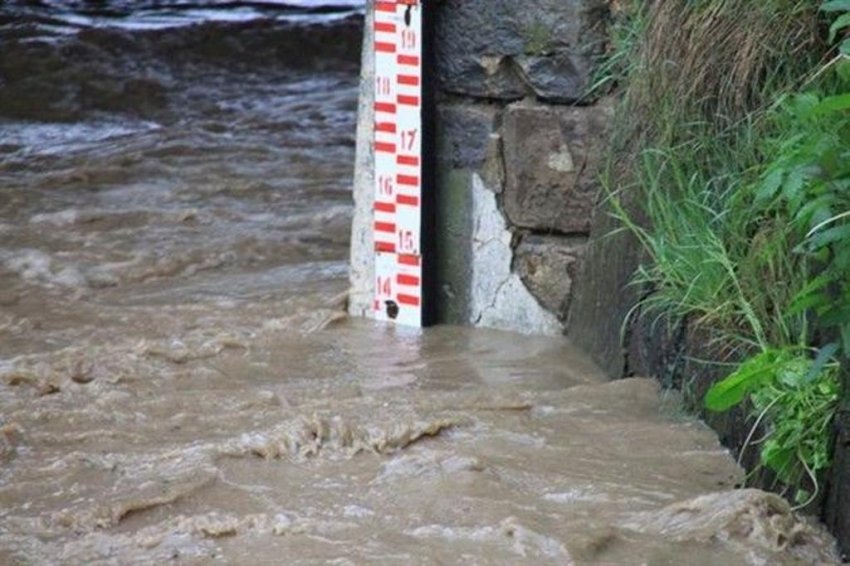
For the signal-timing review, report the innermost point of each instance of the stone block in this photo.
(553, 158)
(548, 265)
(463, 134)
(493, 171)
(500, 49)
(559, 77)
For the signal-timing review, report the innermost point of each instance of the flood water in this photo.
(178, 383)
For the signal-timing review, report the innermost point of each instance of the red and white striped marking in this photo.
(398, 157)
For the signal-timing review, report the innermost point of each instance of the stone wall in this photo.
(519, 148)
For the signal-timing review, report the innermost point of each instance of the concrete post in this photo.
(362, 267)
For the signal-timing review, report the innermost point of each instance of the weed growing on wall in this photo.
(807, 184)
(739, 192)
(626, 27)
(795, 397)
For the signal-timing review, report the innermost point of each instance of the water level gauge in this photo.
(398, 149)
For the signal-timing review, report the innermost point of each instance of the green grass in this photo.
(714, 258)
(626, 27)
(732, 168)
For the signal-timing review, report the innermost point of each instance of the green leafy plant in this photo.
(794, 397)
(740, 197)
(799, 406)
(841, 22)
(810, 180)
(793, 392)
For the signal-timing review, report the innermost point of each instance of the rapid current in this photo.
(178, 383)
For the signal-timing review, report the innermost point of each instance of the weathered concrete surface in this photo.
(504, 49)
(453, 247)
(498, 297)
(548, 266)
(837, 501)
(603, 297)
(552, 163)
(463, 132)
(361, 262)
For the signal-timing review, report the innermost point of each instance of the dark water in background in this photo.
(176, 380)
(68, 16)
(63, 60)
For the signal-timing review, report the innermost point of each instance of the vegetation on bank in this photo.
(732, 168)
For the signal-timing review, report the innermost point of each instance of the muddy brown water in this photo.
(178, 384)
